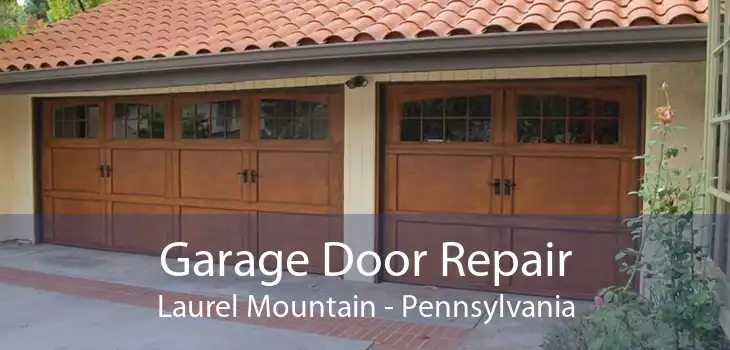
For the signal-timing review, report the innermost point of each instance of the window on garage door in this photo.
(139, 121)
(459, 119)
(717, 133)
(293, 119)
(567, 119)
(214, 119)
(76, 121)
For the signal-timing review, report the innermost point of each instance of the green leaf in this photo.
(672, 152)
(632, 252)
(596, 344)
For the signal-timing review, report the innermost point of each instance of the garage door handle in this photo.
(497, 184)
(244, 176)
(254, 176)
(102, 171)
(508, 186)
(108, 170)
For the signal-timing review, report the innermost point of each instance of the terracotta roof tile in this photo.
(125, 30)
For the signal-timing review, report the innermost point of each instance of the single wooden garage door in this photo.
(512, 167)
(255, 171)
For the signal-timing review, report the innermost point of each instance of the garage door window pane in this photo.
(580, 107)
(567, 120)
(293, 120)
(555, 107)
(580, 130)
(480, 130)
(225, 123)
(529, 130)
(433, 129)
(553, 130)
(412, 109)
(285, 128)
(480, 106)
(606, 132)
(451, 119)
(607, 109)
(214, 120)
(59, 123)
(320, 129)
(410, 129)
(138, 121)
(79, 122)
(433, 108)
(529, 106)
(456, 107)
(456, 129)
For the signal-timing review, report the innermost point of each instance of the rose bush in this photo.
(679, 310)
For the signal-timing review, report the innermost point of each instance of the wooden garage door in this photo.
(257, 171)
(512, 167)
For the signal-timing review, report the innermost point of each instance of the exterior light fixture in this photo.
(356, 82)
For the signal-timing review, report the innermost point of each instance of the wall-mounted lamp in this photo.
(356, 82)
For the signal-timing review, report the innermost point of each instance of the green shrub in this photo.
(625, 325)
(572, 334)
(681, 309)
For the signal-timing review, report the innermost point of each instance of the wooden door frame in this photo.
(38, 144)
(384, 126)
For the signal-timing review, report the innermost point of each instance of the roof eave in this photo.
(603, 37)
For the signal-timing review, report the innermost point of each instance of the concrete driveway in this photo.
(69, 298)
(40, 320)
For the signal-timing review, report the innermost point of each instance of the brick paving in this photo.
(385, 334)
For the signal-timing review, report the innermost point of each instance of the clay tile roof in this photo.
(124, 30)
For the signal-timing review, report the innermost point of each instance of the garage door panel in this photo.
(211, 174)
(292, 232)
(76, 170)
(443, 183)
(570, 186)
(294, 177)
(590, 267)
(214, 230)
(79, 222)
(140, 172)
(142, 228)
(409, 234)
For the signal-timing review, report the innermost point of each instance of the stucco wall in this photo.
(686, 81)
(687, 95)
(16, 168)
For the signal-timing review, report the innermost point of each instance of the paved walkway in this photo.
(108, 294)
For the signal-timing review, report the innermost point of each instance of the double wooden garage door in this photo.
(512, 167)
(494, 167)
(238, 171)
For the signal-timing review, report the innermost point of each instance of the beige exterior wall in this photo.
(16, 168)
(686, 81)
